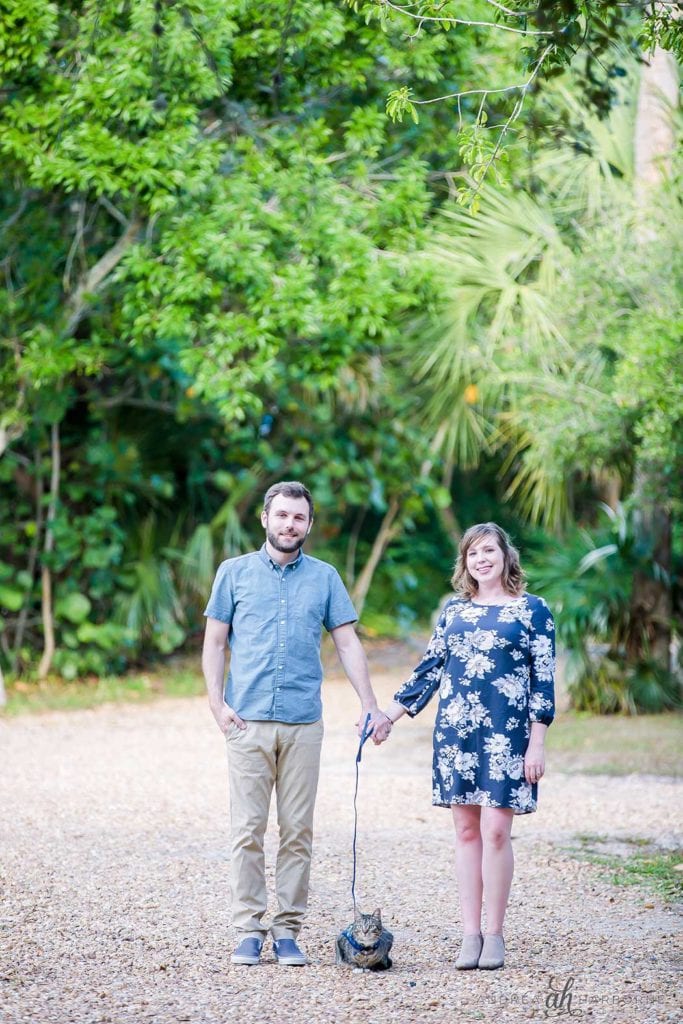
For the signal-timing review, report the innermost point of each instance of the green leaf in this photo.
(74, 607)
(10, 597)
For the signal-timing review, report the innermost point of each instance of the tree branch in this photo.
(89, 285)
(463, 21)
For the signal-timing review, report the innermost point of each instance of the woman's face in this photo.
(485, 561)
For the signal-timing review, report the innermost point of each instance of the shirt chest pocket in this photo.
(307, 614)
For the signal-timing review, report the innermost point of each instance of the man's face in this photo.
(287, 523)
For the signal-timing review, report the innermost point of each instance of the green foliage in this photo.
(592, 39)
(552, 324)
(587, 578)
(202, 207)
(212, 233)
(399, 104)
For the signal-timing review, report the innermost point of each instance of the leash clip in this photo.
(365, 735)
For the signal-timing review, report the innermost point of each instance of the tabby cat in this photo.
(365, 943)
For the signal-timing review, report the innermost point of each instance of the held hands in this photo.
(379, 725)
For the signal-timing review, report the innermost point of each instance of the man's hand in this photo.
(379, 725)
(226, 716)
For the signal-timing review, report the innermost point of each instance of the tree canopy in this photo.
(225, 263)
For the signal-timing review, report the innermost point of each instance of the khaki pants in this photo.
(263, 755)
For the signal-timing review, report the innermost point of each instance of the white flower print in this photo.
(437, 645)
(521, 799)
(478, 666)
(514, 686)
(465, 716)
(453, 760)
(502, 761)
(537, 705)
(516, 611)
(497, 744)
(541, 646)
(516, 655)
(514, 767)
(459, 645)
(542, 654)
(471, 612)
(511, 724)
(479, 797)
(451, 611)
(483, 639)
(446, 688)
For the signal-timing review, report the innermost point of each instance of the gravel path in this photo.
(115, 903)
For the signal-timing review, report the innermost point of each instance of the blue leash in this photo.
(365, 735)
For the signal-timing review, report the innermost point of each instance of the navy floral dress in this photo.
(493, 666)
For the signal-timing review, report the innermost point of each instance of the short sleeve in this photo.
(221, 604)
(339, 609)
(542, 650)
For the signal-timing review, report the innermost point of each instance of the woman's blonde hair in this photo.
(512, 579)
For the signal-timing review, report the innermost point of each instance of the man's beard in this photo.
(286, 544)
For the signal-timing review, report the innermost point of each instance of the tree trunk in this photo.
(46, 575)
(352, 546)
(385, 535)
(31, 566)
(654, 134)
(449, 521)
(654, 142)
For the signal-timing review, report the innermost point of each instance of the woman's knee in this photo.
(495, 830)
(467, 825)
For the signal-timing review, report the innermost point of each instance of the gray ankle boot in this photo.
(492, 953)
(470, 951)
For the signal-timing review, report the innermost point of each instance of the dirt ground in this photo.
(115, 905)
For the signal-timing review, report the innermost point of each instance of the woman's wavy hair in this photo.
(513, 578)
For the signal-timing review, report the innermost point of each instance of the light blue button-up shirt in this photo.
(276, 615)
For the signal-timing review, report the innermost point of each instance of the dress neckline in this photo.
(496, 604)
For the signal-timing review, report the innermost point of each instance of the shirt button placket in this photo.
(282, 622)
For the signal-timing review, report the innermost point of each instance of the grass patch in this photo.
(638, 863)
(616, 744)
(59, 695)
(662, 873)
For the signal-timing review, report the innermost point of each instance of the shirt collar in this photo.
(267, 560)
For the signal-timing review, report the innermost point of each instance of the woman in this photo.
(491, 657)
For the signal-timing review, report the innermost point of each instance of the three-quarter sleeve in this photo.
(416, 693)
(542, 651)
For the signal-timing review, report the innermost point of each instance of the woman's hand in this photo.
(534, 762)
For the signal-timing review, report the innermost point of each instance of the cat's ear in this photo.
(378, 914)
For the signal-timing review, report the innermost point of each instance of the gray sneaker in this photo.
(288, 954)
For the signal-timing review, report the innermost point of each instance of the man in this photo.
(271, 604)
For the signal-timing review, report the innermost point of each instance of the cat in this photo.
(365, 943)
